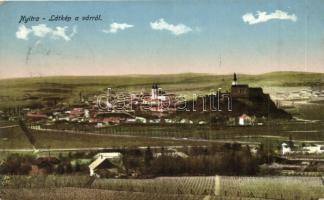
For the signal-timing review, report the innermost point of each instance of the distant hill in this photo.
(27, 91)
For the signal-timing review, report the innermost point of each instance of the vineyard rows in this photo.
(253, 187)
(290, 188)
(273, 187)
(97, 194)
(168, 185)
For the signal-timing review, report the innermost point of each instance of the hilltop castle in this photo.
(243, 90)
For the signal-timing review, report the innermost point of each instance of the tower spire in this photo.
(234, 80)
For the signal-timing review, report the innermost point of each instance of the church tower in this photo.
(154, 92)
(239, 90)
(234, 80)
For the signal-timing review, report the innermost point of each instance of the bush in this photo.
(17, 164)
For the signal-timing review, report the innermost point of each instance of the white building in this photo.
(245, 120)
(115, 158)
(186, 121)
(86, 113)
(314, 149)
(285, 149)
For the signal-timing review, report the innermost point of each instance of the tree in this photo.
(60, 169)
(77, 167)
(291, 142)
(68, 168)
(148, 157)
(70, 155)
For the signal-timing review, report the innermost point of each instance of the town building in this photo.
(154, 91)
(245, 120)
(314, 149)
(239, 90)
(285, 149)
(243, 90)
(112, 162)
(158, 101)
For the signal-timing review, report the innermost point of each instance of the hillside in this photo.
(259, 106)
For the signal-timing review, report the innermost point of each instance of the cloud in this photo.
(42, 30)
(178, 29)
(23, 32)
(264, 17)
(115, 27)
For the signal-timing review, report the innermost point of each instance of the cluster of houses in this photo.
(92, 110)
(303, 94)
(310, 149)
(289, 97)
(101, 119)
(112, 109)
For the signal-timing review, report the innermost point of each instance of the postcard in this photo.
(162, 99)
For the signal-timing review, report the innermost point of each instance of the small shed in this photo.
(244, 120)
(285, 148)
(110, 161)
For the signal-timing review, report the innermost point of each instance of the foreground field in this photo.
(252, 187)
(212, 187)
(86, 194)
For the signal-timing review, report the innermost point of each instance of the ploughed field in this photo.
(212, 187)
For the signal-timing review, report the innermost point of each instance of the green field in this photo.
(273, 133)
(163, 135)
(14, 138)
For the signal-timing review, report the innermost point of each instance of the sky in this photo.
(161, 37)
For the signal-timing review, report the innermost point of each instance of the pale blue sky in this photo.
(216, 32)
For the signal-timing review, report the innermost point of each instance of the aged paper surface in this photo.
(162, 99)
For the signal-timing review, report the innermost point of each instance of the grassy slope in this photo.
(271, 135)
(16, 139)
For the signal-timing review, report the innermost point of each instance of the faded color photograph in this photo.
(162, 99)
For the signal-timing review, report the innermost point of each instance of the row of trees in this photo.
(226, 159)
(234, 162)
(222, 159)
(17, 164)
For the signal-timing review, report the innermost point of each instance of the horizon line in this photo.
(161, 74)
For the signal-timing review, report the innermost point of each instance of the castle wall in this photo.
(240, 91)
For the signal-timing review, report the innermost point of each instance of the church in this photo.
(243, 90)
